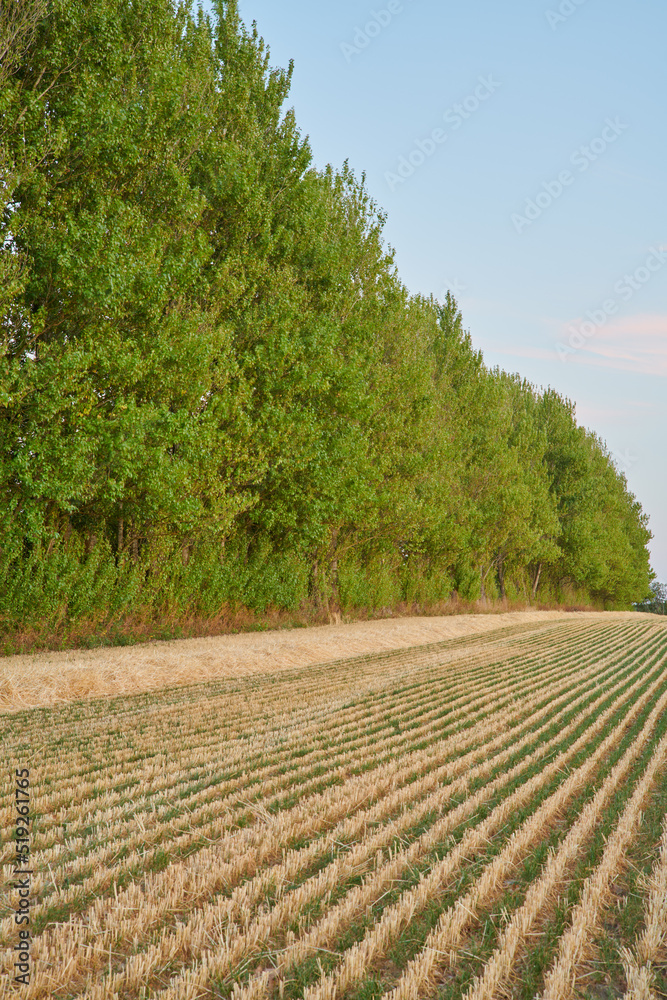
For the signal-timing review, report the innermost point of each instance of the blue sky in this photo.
(519, 150)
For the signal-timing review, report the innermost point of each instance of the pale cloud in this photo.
(592, 415)
(632, 343)
(635, 344)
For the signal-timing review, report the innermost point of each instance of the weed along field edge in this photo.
(416, 808)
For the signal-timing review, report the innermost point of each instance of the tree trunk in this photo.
(536, 581)
(315, 584)
(334, 613)
(499, 561)
(501, 579)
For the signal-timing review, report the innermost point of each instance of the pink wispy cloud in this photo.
(630, 343)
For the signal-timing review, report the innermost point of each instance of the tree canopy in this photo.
(214, 386)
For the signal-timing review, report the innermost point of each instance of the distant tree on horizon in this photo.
(657, 603)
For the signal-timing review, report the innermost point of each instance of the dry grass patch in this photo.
(47, 679)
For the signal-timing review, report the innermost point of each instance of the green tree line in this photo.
(215, 390)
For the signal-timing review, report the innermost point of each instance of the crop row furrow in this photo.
(639, 963)
(191, 820)
(446, 936)
(475, 839)
(541, 892)
(222, 957)
(251, 936)
(210, 861)
(253, 718)
(239, 755)
(560, 981)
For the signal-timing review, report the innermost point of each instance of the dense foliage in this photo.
(214, 387)
(656, 602)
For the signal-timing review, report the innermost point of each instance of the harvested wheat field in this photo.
(424, 814)
(28, 681)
